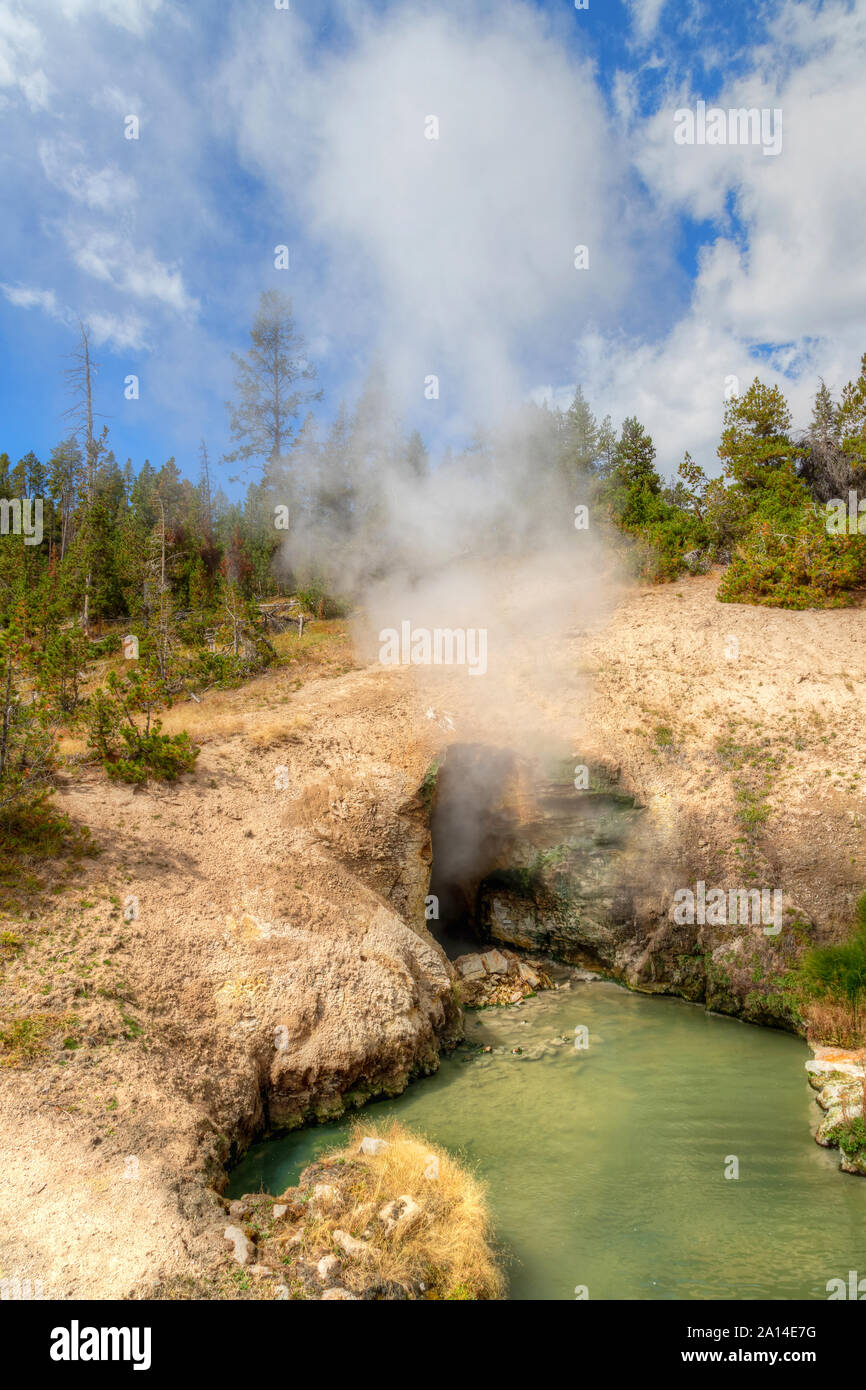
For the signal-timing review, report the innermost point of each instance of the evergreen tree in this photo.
(272, 382)
(580, 436)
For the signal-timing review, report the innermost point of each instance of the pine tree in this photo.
(633, 458)
(580, 435)
(756, 436)
(273, 382)
(852, 420)
(605, 447)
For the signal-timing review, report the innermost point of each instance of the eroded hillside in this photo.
(250, 946)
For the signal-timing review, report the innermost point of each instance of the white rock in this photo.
(324, 1195)
(279, 1209)
(372, 1146)
(401, 1215)
(244, 1247)
(840, 1068)
(358, 1249)
(328, 1268)
(332, 1295)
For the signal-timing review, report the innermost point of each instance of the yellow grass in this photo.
(449, 1248)
(272, 732)
(835, 1021)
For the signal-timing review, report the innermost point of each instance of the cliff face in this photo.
(726, 751)
(584, 875)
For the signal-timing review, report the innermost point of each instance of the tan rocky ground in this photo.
(720, 714)
(277, 954)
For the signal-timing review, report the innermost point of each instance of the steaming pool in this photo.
(605, 1166)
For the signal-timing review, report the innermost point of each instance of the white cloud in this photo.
(114, 260)
(28, 297)
(133, 15)
(645, 17)
(457, 251)
(105, 189)
(20, 50)
(780, 290)
(119, 331)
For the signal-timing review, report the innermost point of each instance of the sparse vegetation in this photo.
(443, 1250)
(834, 982)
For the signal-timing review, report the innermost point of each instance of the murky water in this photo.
(606, 1165)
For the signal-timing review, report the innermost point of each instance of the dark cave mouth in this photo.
(520, 856)
(470, 828)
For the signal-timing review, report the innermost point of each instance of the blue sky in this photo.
(260, 127)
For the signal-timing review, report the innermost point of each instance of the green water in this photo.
(606, 1166)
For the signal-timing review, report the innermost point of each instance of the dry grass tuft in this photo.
(448, 1247)
(285, 730)
(214, 718)
(835, 1021)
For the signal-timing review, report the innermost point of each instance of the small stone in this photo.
(243, 1246)
(262, 1271)
(325, 1195)
(328, 1268)
(279, 1209)
(357, 1249)
(470, 967)
(339, 1293)
(371, 1146)
(400, 1216)
(238, 1210)
(494, 963)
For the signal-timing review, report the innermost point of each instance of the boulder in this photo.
(371, 1146)
(243, 1246)
(470, 967)
(494, 963)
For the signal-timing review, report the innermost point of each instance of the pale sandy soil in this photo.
(300, 906)
(789, 708)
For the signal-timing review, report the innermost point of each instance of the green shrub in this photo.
(221, 669)
(130, 753)
(793, 563)
(163, 757)
(316, 599)
(850, 1136)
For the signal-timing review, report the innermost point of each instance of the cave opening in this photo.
(523, 858)
(471, 821)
